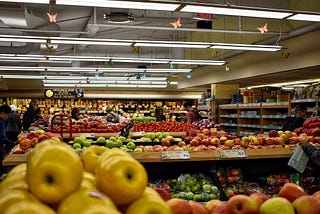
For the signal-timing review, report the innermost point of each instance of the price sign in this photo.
(89, 135)
(138, 134)
(174, 155)
(234, 153)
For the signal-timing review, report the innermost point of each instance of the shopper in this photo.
(5, 143)
(311, 151)
(13, 125)
(38, 114)
(191, 113)
(75, 113)
(297, 121)
(159, 114)
(29, 116)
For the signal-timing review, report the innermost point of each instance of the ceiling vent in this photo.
(118, 17)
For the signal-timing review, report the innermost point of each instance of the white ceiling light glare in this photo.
(30, 1)
(305, 17)
(196, 62)
(246, 47)
(237, 11)
(122, 4)
(171, 44)
(101, 86)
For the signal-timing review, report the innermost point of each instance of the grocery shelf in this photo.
(207, 155)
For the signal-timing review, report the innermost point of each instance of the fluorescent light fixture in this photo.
(122, 4)
(138, 43)
(236, 11)
(305, 17)
(78, 78)
(140, 60)
(246, 47)
(22, 40)
(93, 69)
(101, 86)
(30, 1)
(196, 62)
(171, 44)
(68, 59)
(65, 81)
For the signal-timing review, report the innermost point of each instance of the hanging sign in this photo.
(63, 93)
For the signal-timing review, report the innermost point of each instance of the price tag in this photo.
(174, 155)
(234, 153)
(138, 134)
(89, 135)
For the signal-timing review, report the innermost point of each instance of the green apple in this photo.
(122, 139)
(138, 150)
(207, 188)
(131, 145)
(113, 138)
(101, 140)
(76, 146)
(86, 143)
(109, 144)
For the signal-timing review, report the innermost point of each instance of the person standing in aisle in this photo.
(297, 121)
(13, 125)
(29, 116)
(5, 143)
(75, 113)
(191, 113)
(159, 114)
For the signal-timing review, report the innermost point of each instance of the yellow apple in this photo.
(14, 181)
(85, 201)
(277, 205)
(88, 181)
(90, 157)
(123, 179)
(17, 169)
(54, 170)
(114, 152)
(13, 196)
(28, 207)
(149, 202)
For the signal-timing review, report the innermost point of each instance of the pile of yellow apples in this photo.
(56, 180)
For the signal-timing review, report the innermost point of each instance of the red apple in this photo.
(198, 208)
(291, 191)
(206, 142)
(237, 141)
(220, 209)
(241, 204)
(182, 144)
(194, 142)
(316, 194)
(179, 206)
(165, 195)
(269, 140)
(259, 198)
(212, 204)
(165, 142)
(307, 204)
(215, 141)
(206, 131)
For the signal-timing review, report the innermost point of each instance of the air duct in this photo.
(20, 18)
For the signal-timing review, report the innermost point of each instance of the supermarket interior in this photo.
(160, 107)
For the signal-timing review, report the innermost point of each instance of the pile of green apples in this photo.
(196, 187)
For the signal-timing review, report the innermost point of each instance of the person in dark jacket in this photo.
(13, 125)
(191, 113)
(293, 122)
(4, 141)
(29, 116)
(159, 114)
(311, 151)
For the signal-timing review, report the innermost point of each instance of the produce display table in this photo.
(149, 157)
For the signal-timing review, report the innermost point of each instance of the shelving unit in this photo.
(254, 118)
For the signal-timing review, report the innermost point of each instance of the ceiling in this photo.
(89, 22)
